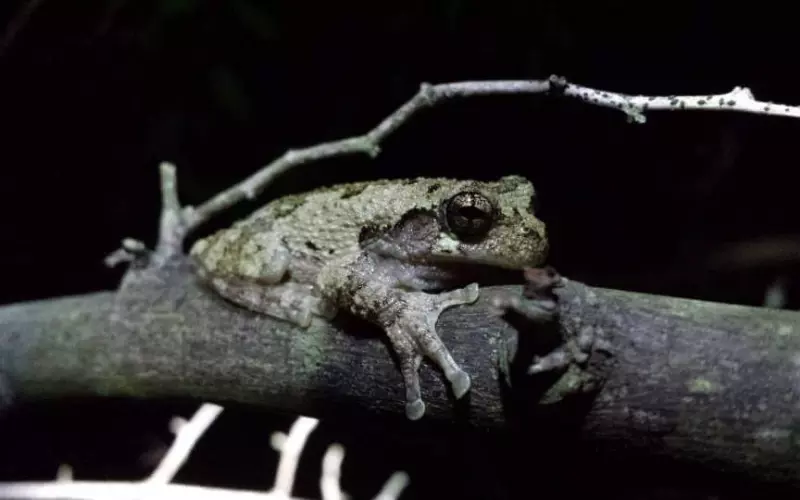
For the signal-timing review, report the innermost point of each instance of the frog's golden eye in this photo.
(469, 214)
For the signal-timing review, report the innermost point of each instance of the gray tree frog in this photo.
(393, 252)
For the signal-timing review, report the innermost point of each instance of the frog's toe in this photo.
(410, 360)
(556, 360)
(446, 300)
(460, 383)
(415, 409)
(300, 317)
(471, 293)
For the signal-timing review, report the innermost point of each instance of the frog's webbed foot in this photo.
(413, 335)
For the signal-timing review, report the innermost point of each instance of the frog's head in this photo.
(491, 223)
(465, 222)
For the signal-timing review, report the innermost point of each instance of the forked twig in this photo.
(159, 485)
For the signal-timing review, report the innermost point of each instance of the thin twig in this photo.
(739, 99)
(634, 106)
(129, 251)
(185, 439)
(329, 481)
(64, 474)
(393, 487)
(368, 143)
(158, 484)
(119, 490)
(291, 447)
(172, 230)
(176, 224)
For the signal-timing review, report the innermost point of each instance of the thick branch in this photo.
(691, 379)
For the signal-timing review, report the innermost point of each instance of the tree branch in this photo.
(690, 379)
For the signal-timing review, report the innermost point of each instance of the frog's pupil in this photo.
(472, 213)
(469, 214)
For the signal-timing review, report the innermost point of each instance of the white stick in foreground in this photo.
(158, 485)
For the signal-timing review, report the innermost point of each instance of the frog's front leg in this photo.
(413, 334)
(408, 318)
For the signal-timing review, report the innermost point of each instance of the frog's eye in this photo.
(469, 214)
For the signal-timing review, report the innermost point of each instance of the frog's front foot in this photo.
(413, 335)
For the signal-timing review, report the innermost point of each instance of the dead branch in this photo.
(160, 483)
(739, 99)
(690, 379)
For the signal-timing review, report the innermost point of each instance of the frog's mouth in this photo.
(467, 259)
(505, 251)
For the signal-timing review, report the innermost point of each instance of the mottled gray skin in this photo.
(377, 249)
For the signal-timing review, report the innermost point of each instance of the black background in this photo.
(94, 94)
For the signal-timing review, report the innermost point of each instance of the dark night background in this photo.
(94, 94)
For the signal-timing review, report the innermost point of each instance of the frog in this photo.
(394, 252)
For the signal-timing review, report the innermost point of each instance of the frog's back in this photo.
(312, 228)
(327, 222)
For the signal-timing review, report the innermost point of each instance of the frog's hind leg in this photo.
(288, 301)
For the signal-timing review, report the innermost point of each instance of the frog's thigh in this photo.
(264, 258)
(289, 301)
